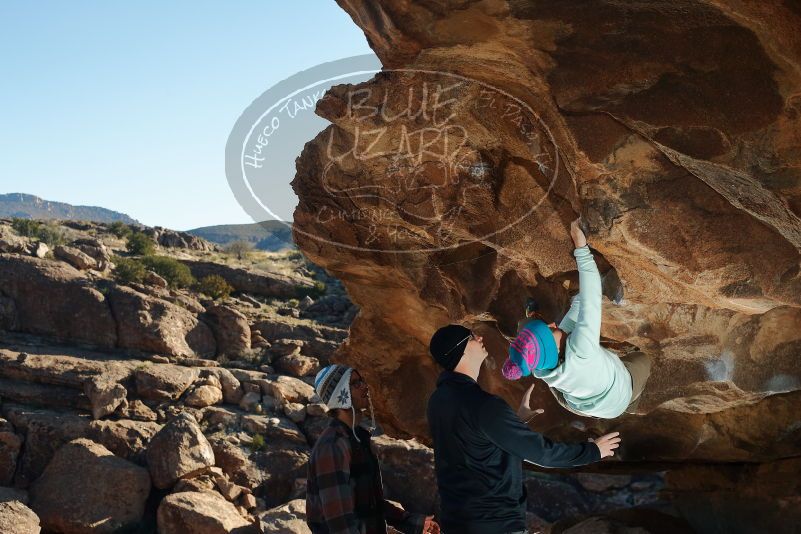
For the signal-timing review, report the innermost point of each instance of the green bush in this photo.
(258, 443)
(214, 286)
(295, 255)
(317, 290)
(141, 244)
(240, 249)
(26, 227)
(48, 233)
(129, 270)
(120, 229)
(173, 271)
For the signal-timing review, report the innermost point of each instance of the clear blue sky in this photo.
(128, 105)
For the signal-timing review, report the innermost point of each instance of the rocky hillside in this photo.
(33, 207)
(145, 404)
(156, 401)
(671, 128)
(272, 236)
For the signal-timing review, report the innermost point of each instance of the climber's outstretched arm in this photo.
(586, 335)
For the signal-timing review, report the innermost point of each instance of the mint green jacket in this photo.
(592, 379)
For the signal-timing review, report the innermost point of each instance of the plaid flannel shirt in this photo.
(344, 493)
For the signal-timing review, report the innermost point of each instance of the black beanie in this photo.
(443, 345)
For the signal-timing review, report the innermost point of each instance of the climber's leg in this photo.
(639, 367)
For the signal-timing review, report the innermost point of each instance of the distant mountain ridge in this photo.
(27, 206)
(272, 236)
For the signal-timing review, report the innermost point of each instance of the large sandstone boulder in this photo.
(11, 242)
(177, 450)
(201, 513)
(16, 518)
(75, 257)
(289, 518)
(54, 299)
(288, 389)
(407, 470)
(231, 387)
(231, 329)
(45, 432)
(629, 115)
(86, 489)
(263, 283)
(125, 438)
(150, 324)
(164, 381)
(10, 445)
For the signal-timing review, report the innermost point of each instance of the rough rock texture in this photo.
(289, 518)
(151, 324)
(164, 381)
(48, 293)
(75, 257)
(45, 432)
(670, 127)
(86, 489)
(201, 513)
(230, 327)
(177, 450)
(262, 283)
(16, 518)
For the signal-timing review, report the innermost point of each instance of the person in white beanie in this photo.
(344, 492)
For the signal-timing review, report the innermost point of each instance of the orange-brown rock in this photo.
(671, 128)
(86, 489)
(150, 324)
(205, 512)
(47, 294)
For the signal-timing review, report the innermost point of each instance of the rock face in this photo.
(177, 450)
(255, 282)
(85, 488)
(231, 329)
(16, 518)
(201, 513)
(630, 115)
(151, 324)
(46, 295)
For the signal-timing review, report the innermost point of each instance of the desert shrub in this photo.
(129, 270)
(214, 286)
(318, 289)
(120, 229)
(295, 255)
(48, 233)
(173, 271)
(141, 244)
(240, 249)
(258, 443)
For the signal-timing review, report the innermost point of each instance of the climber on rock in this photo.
(480, 443)
(585, 378)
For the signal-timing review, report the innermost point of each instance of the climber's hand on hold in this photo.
(524, 412)
(607, 444)
(579, 239)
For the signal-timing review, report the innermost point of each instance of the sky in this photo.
(128, 105)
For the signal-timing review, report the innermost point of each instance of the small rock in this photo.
(250, 400)
(316, 409)
(290, 517)
(75, 257)
(204, 512)
(16, 518)
(178, 449)
(39, 249)
(205, 395)
(297, 365)
(153, 279)
(295, 411)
